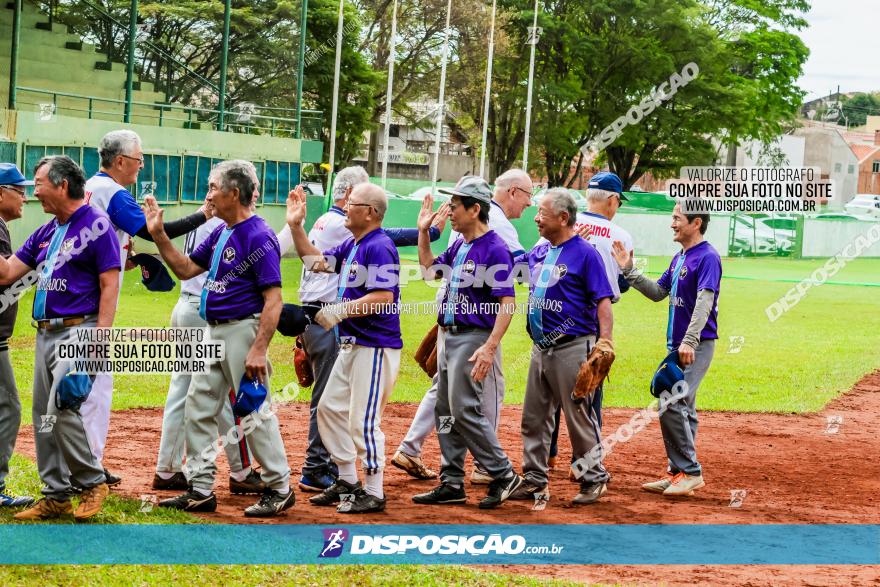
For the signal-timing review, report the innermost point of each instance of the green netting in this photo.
(7, 152)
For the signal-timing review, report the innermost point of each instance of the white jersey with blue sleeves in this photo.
(498, 222)
(104, 193)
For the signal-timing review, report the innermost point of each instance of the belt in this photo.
(455, 329)
(549, 343)
(59, 323)
(230, 320)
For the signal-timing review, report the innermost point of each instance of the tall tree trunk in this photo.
(373, 154)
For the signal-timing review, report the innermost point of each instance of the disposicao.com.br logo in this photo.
(453, 544)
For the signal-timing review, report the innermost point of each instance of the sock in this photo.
(348, 473)
(240, 475)
(284, 490)
(165, 475)
(374, 484)
(202, 492)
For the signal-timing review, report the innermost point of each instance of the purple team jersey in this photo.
(73, 255)
(567, 283)
(241, 261)
(480, 274)
(370, 264)
(690, 271)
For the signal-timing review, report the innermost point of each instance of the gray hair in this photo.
(348, 178)
(116, 143)
(374, 196)
(61, 168)
(597, 195)
(512, 176)
(561, 201)
(236, 174)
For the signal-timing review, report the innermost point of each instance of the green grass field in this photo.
(831, 332)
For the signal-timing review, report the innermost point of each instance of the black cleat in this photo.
(331, 495)
(442, 494)
(110, 479)
(363, 503)
(191, 501)
(252, 485)
(176, 481)
(271, 504)
(499, 491)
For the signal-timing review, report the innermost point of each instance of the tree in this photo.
(857, 109)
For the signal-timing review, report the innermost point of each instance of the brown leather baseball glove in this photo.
(594, 370)
(426, 354)
(301, 364)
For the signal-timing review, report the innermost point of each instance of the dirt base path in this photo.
(816, 468)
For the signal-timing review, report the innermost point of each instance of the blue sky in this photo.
(844, 42)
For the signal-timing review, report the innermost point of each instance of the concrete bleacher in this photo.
(52, 59)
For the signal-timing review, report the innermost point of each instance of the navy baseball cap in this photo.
(251, 395)
(154, 275)
(608, 181)
(667, 375)
(294, 318)
(470, 186)
(10, 175)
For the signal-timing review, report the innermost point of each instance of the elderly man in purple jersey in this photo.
(76, 259)
(569, 307)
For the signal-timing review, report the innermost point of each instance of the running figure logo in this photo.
(446, 424)
(334, 541)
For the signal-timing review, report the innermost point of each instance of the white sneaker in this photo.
(480, 477)
(683, 485)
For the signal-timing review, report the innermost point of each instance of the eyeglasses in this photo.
(12, 189)
(347, 204)
(526, 192)
(138, 159)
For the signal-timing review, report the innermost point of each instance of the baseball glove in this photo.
(594, 370)
(301, 364)
(426, 354)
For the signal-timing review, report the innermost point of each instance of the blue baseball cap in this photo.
(667, 375)
(72, 390)
(154, 275)
(608, 181)
(251, 395)
(10, 175)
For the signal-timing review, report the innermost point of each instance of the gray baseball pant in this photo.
(64, 456)
(423, 422)
(10, 413)
(462, 398)
(678, 423)
(321, 346)
(171, 450)
(551, 379)
(208, 396)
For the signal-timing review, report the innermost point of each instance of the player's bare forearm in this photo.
(109, 283)
(502, 321)
(12, 269)
(268, 319)
(182, 266)
(313, 259)
(369, 304)
(606, 318)
(426, 257)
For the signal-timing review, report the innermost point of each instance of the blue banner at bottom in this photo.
(621, 544)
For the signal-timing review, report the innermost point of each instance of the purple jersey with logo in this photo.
(241, 261)
(480, 274)
(567, 283)
(69, 259)
(370, 264)
(690, 271)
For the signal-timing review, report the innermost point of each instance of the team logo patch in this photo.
(67, 246)
(43, 244)
(683, 273)
(334, 542)
(228, 254)
(353, 269)
(469, 266)
(559, 271)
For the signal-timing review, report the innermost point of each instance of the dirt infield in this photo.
(816, 468)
